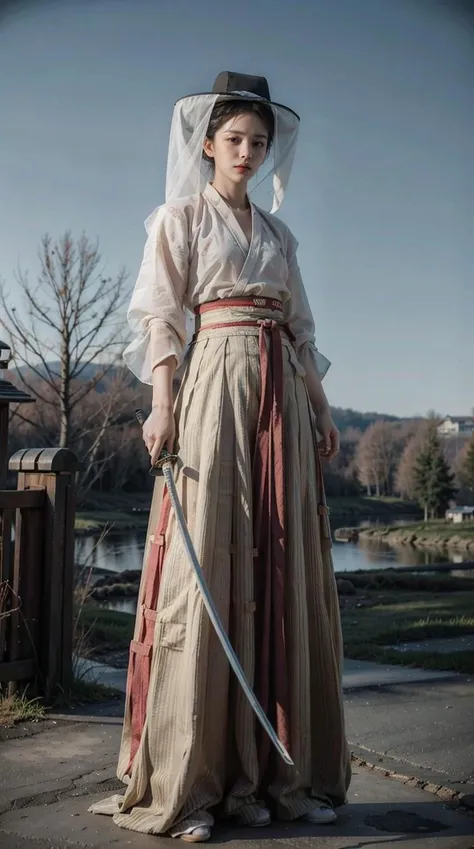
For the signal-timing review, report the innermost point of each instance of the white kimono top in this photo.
(196, 252)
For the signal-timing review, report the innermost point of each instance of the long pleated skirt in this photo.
(191, 744)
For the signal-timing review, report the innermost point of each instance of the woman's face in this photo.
(239, 147)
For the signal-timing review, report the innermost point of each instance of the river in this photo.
(124, 550)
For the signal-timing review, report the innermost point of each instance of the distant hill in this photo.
(346, 418)
(89, 373)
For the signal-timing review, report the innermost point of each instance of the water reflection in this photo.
(379, 555)
(119, 551)
(122, 605)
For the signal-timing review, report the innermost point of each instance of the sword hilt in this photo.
(165, 456)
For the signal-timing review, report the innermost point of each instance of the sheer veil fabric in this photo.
(188, 172)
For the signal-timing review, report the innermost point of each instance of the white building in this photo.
(460, 514)
(456, 426)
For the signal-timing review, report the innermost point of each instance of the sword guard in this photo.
(165, 457)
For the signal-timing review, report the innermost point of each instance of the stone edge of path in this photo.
(458, 795)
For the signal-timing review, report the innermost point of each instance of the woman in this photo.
(250, 483)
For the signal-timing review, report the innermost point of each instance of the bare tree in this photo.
(376, 456)
(405, 481)
(71, 331)
(107, 435)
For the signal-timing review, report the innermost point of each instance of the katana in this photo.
(165, 465)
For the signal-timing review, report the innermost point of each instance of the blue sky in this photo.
(382, 194)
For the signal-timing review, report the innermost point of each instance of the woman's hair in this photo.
(226, 109)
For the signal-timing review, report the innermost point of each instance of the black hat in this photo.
(228, 82)
(231, 84)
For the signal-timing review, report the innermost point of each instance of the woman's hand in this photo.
(159, 431)
(330, 443)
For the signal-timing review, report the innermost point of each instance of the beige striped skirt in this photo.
(255, 508)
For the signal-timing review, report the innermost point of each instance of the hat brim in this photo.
(241, 97)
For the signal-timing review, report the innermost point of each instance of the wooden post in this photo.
(54, 470)
(22, 574)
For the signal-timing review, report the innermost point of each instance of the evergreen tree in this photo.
(467, 469)
(421, 476)
(434, 482)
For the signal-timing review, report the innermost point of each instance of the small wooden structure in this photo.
(37, 569)
(36, 560)
(9, 394)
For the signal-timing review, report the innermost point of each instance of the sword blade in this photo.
(214, 616)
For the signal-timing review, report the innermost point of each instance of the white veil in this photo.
(188, 172)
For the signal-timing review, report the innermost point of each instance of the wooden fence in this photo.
(37, 571)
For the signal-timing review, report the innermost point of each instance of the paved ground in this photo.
(48, 781)
(428, 726)
(445, 645)
(357, 674)
(361, 674)
(423, 718)
(414, 723)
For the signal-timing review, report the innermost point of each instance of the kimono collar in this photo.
(213, 195)
(250, 251)
(227, 214)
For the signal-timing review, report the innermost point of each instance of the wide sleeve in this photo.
(298, 315)
(155, 314)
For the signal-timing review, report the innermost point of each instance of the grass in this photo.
(388, 618)
(117, 514)
(90, 521)
(393, 579)
(362, 506)
(116, 510)
(393, 608)
(20, 708)
(107, 629)
(84, 692)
